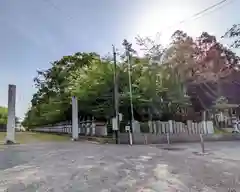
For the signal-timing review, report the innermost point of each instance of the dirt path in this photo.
(89, 167)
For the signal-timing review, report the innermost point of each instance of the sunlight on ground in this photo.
(28, 137)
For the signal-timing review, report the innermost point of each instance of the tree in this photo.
(3, 115)
(206, 67)
(93, 86)
(160, 80)
(194, 62)
(165, 87)
(200, 59)
(51, 102)
(233, 33)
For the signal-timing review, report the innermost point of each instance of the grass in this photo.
(101, 140)
(30, 137)
(221, 131)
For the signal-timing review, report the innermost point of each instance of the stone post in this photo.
(74, 118)
(10, 137)
(170, 126)
(93, 127)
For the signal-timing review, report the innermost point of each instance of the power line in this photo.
(199, 14)
(58, 9)
(202, 13)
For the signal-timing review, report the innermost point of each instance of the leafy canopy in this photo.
(160, 80)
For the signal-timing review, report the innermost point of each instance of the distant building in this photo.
(19, 127)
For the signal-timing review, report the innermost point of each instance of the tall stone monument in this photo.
(10, 137)
(74, 118)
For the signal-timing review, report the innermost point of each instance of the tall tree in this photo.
(159, 80)
(234, 33)
(51, 102)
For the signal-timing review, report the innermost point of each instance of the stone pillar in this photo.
(10, 137)
(74, 118)
(93, 127)
(136, 127)
(209, 127)
(170, 126)
(150, 126)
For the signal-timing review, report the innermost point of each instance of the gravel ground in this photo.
(117, 168)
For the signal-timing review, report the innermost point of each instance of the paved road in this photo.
(104, 168)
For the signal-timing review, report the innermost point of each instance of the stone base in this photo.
(201, 153)
(9, 142)
(72, 139)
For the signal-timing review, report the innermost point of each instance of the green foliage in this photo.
(90, 78)
(158, 80)
(51, 103)
(234, 33)
(92, 83)
(3, 115)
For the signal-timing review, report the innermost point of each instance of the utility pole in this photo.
(116, 106)
(130, 91)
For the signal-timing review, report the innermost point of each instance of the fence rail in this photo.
(84, 128)
(143, 132)
(173, 127)
(154, 127)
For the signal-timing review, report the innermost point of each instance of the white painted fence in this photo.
(155, 127)
(84, 128)
(173, 127)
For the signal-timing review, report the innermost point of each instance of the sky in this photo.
(35, 33)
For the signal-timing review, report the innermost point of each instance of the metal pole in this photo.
(116, 95)
(168, 139)
(130, 92)
(201, 136)
(202, 143)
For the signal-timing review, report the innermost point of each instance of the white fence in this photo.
(158, 132)
(173, 127)
(84, 128)
(155, 127)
